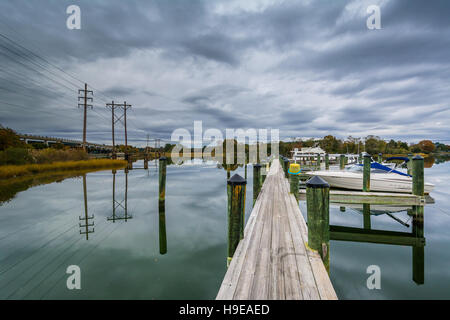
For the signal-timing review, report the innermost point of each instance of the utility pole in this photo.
(85, 104)
(125, 106)
(114, 119)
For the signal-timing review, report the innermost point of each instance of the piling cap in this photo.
(163, 158)
(366, 155)
(317, 182)
(417, 157)
(256, 165)
(380, 154)
(294, 169)
(286, 160)
(237, 180)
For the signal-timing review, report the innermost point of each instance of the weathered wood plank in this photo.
(273, 261)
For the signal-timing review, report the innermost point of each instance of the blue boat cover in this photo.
(379, 166)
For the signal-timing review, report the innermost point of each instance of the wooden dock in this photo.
(273, 261)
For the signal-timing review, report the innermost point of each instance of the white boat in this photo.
(383, 178)
(382, 182)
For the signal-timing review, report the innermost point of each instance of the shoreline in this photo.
(16, 171)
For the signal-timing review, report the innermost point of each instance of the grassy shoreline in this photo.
(14, 171)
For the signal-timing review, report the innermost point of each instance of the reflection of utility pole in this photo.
(123, 204)
(86, 217)
(85, 105)
(162, 205)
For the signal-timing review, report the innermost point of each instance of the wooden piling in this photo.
(256, 181)
(145, 163)
(162, 205)
(380, 158)
(294, 179)
(286, 168)
(409, 164)
(366, 173)
(236, 187)
(418, 176)
(318, 161)
(342, 161)
(318, 214)
(366, 216)
(327, 162)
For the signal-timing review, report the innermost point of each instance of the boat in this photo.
(384, 177)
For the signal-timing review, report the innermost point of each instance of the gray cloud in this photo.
(309, 68)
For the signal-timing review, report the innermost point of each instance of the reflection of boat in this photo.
(377, 210)
(383, 178)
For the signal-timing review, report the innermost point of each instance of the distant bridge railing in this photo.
(30, 138)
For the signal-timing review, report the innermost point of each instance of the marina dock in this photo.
(273, 260)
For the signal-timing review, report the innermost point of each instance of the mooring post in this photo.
(162, 205)
(286, 168)
(236, 186)
(327, 162)
(380, 157)
(318, 161)
(342, 162)
(360, 158)
(318, 215)
(409, 164)
(256, 181)
(145, 163)
(294, 178)
(366, 173)
(418, 189)
(366, 216)
(263, 174)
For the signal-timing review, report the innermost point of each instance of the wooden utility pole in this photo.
(85, 105)
(113, 106)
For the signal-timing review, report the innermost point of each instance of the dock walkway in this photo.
(273, 261)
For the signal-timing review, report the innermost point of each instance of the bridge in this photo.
(30, 138)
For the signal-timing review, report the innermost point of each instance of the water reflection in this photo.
(162, 205)
(122, 204)
(366, 234)
(86, 219)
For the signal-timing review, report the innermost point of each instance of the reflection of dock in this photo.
(347, 196)
(272, 261)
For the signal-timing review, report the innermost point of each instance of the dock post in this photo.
(366, 174)
(294, 178)
(286, 168)
(146, 163)
(236, 186)
(162, 205)
(380, 157)
(409, 164)
(263, 174)
(418, 176)
(318, 215)
(418, 189)
(256, 181)
(360, 158)
(318, 161)
(245, 176)
(327, 162)
(342, 162)
(366, 216)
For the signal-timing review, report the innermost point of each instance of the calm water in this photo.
(40, 236)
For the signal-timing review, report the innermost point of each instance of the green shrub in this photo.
(15, 156)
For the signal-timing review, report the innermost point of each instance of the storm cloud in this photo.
(308, 68)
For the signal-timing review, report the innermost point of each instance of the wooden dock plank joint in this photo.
(273, 261)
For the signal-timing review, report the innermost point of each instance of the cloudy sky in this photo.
(308, 68)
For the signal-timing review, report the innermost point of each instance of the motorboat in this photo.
(384, 177)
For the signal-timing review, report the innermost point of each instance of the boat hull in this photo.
(381, 182)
